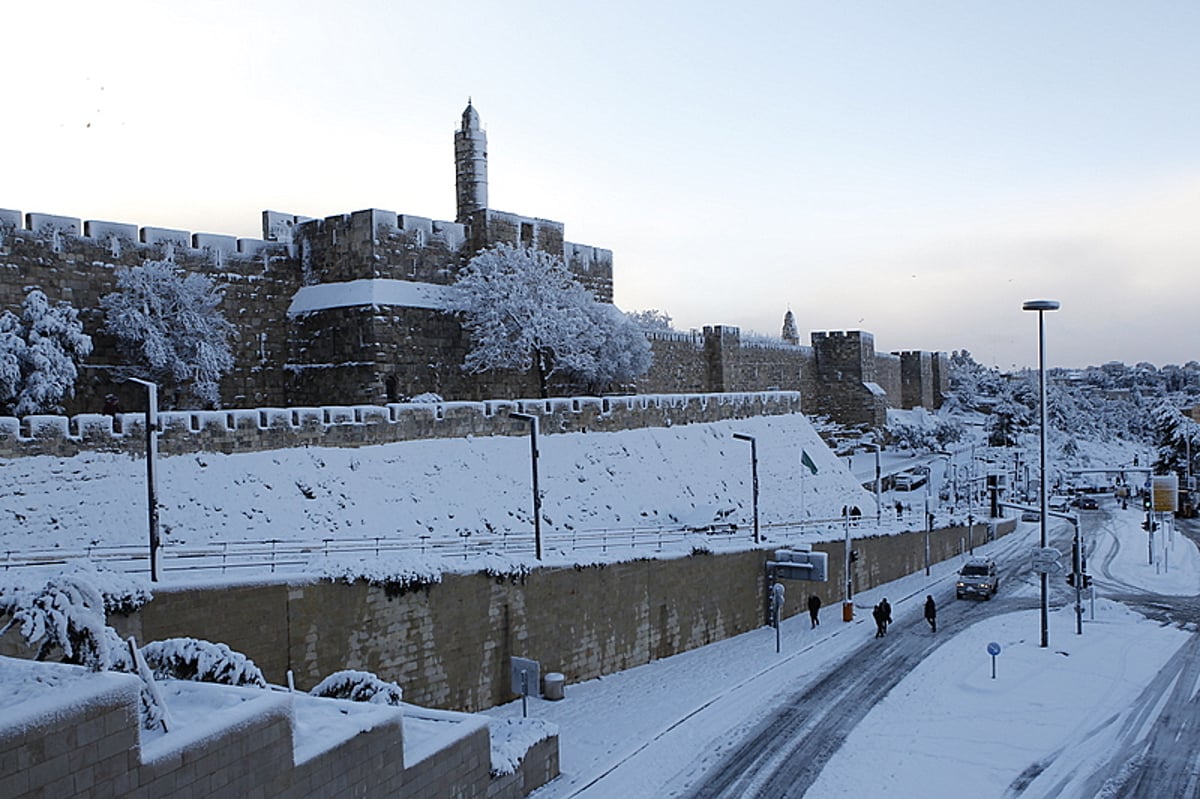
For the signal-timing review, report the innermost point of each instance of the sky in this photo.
(916, 170)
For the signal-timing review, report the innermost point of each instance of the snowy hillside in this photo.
(441, 489)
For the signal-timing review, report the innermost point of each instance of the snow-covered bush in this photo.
(502, 568)
(512, 740)
(396, 573)
(170, 325)
(201, 661)
(40, 353)
(67, 613)
(359, 686)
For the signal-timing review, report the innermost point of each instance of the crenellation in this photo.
(45, 224)
(107, 231)
(165, 237)
(215, 243)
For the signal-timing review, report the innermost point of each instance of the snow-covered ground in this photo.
(949, 729)
(474, 489)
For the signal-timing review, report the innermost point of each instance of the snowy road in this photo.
(787, 752)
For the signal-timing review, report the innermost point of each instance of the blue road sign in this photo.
(993, 649)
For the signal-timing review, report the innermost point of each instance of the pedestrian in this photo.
(887, 614)
(112, 405)
(931, 612)
(814, 609)
(899, 510)
(878, 615)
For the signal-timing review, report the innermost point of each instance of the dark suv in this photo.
(977, 578)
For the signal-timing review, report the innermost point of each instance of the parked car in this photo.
(1030, 515)
(977, 578)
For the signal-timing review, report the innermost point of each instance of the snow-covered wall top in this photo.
(398, 293)
(258, 429)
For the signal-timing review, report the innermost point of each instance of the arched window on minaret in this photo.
(790, 334)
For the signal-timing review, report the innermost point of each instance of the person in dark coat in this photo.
(931, 612)
(880, 625)
(814, 608)
(887, 614)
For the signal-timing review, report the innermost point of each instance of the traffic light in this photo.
(1087, 581)
(854, 556)
(1071, 579)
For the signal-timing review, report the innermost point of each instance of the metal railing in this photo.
(294, 555)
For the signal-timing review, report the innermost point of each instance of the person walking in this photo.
(887, 614)
(814, 609)
(931, 612)
(879, 616)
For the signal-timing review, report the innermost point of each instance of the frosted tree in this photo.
(67, 614)
(651, 319)
(169, 324)
(40, 353)
(525, 311)
(622, 352)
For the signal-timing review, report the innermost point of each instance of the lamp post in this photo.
(533, 460)
(1041, 306)
(878, 485)
(753, 476)
(151, 477)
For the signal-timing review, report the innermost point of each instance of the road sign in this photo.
(993, 649)
(1047, 560)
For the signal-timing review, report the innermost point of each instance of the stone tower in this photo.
(470, 165)
(790, 334)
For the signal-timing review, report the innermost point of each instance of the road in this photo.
(1153, 755)
(784, 755)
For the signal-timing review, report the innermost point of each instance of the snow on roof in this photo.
(397, 293)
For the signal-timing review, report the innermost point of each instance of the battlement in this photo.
(115, 235)
(259, 429)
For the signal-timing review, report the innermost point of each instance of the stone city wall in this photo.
(365, 425)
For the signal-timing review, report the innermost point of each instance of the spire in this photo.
(470, 117)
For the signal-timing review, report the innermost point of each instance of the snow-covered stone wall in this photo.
(261, 429)
(84, 739)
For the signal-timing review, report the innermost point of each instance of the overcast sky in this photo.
(916, 170)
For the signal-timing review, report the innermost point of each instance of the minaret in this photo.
(790, 334)
(470, 165)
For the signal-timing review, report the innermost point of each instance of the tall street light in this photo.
(878, 485)
(1041, 306)
(753, 475)
(151, 477)
(537, 496)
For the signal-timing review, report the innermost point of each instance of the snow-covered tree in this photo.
(67, 614)
(201, 661)
(40, 353)
(525, 311)
(651, 319)
(359, 686)
(169, 324)
(622, 352)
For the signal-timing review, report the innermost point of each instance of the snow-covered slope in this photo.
(440, 489)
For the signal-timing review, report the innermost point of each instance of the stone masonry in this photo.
(351, 309)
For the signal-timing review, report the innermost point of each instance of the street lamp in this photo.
(151, 477)
(1041, 306)
(753, 475)
(878, 485)
(533, 460)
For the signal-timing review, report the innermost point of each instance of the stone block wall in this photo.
(449, 644)
(365, 425)
(88, 742)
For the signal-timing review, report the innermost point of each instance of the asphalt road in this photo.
(783, 756)
(1156, 755)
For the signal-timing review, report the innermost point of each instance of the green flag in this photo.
(807, 462)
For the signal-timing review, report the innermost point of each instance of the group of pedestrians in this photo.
(882, 613)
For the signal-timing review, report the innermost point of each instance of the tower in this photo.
(790, 334)
(470, 165)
